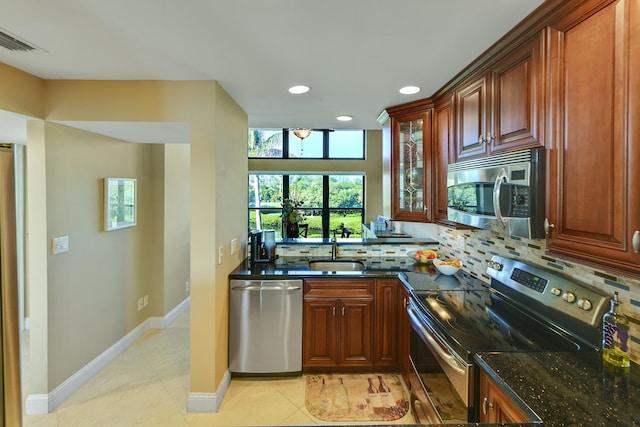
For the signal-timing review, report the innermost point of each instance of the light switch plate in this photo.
(234, 246)
(59, 245)
(220, 255)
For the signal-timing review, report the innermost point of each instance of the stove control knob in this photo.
(585, 304)
(556, 292)
(495, 265)
(569, 297)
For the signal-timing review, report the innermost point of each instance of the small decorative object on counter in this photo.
(291, 216)
(615, 359)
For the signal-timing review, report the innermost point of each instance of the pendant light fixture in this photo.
(301, 133)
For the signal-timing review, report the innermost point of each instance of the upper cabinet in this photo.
(502, 108)
(411, 161)
(594, 167)
(443, 133)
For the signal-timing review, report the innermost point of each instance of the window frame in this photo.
(325, 209)
(325, 146)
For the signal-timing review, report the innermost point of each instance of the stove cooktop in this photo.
(525, 309)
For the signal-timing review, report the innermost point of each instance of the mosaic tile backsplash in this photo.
(481, 245)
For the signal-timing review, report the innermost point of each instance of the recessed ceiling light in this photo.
(297, 90)
(344, 118)
(409, 90)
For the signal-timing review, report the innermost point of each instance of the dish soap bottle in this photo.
(615, 359)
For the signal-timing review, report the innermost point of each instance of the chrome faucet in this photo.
(334, 248)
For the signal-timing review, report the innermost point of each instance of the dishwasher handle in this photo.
(260, 288)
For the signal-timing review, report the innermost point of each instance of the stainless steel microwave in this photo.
(503, 193)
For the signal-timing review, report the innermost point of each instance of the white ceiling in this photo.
(355, 54)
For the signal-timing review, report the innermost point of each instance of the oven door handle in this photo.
(437, 343)
(502, 176)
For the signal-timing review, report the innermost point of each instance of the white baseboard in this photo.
(38, 404)
(209, 402)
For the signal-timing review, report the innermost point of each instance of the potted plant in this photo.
(291, 216)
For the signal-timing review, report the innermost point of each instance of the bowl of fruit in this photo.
(447, 267)
(424, 256)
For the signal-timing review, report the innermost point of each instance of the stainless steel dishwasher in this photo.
(265, 326)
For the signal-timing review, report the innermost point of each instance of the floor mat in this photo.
(356, 397)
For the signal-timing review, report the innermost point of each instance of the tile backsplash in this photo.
(480, 245)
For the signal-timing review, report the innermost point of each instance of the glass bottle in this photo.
(325, 399)
(374, 396)
(614, 323)
(385, 394)
(341, 399)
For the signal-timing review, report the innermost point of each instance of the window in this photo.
(329, 202)
(321, 144)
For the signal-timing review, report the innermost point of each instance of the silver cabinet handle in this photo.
(486, 405)
(490, 137)
(635, 241)
(481, 139)
(343, 311)
(548, 226)
(334, 311)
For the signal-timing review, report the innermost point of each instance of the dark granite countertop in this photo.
(568, 389)
(297, 267)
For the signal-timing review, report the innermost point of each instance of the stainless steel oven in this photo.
(524, 309)
(503, 193)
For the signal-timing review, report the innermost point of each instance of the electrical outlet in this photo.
(234, 246)
(186, 286)
(220, 255)
(146, 300)
(140, 304)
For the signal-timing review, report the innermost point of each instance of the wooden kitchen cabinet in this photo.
(495, 404)
(386, 323)
(502, 109)
(472, 110)
(411, 161)
(443, 133)
(338, 324)
(594, 167)
(404, 335)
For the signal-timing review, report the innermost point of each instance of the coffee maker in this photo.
(263, 246)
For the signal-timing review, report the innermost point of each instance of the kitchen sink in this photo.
(336, 265)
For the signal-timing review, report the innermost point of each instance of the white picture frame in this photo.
(120, 203)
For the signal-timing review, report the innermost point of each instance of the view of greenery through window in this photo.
(329, 202)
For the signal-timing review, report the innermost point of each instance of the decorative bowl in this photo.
(424, 256)
(447, 267)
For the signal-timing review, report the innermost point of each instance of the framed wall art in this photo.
(120, 209)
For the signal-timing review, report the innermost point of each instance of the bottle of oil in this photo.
(615, 324)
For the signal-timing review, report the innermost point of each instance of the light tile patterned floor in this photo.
(148, 385)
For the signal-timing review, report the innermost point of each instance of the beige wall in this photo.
(76, 312)
(371, 167)
(177, 212)
(93, 288)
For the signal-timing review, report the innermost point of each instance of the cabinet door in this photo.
(410, 173)
(516, 100)
(386, 323)
(355, 343)
(472, 106)
(320, 342)
(441, 155)
(594, 203)
(403, 335)
(496, 406)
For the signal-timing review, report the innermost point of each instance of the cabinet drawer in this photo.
(332, 288)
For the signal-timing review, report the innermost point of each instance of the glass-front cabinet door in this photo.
(411, 136)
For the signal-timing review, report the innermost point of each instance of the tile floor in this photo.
(147, 385)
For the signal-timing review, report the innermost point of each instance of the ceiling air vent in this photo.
(12, 43)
